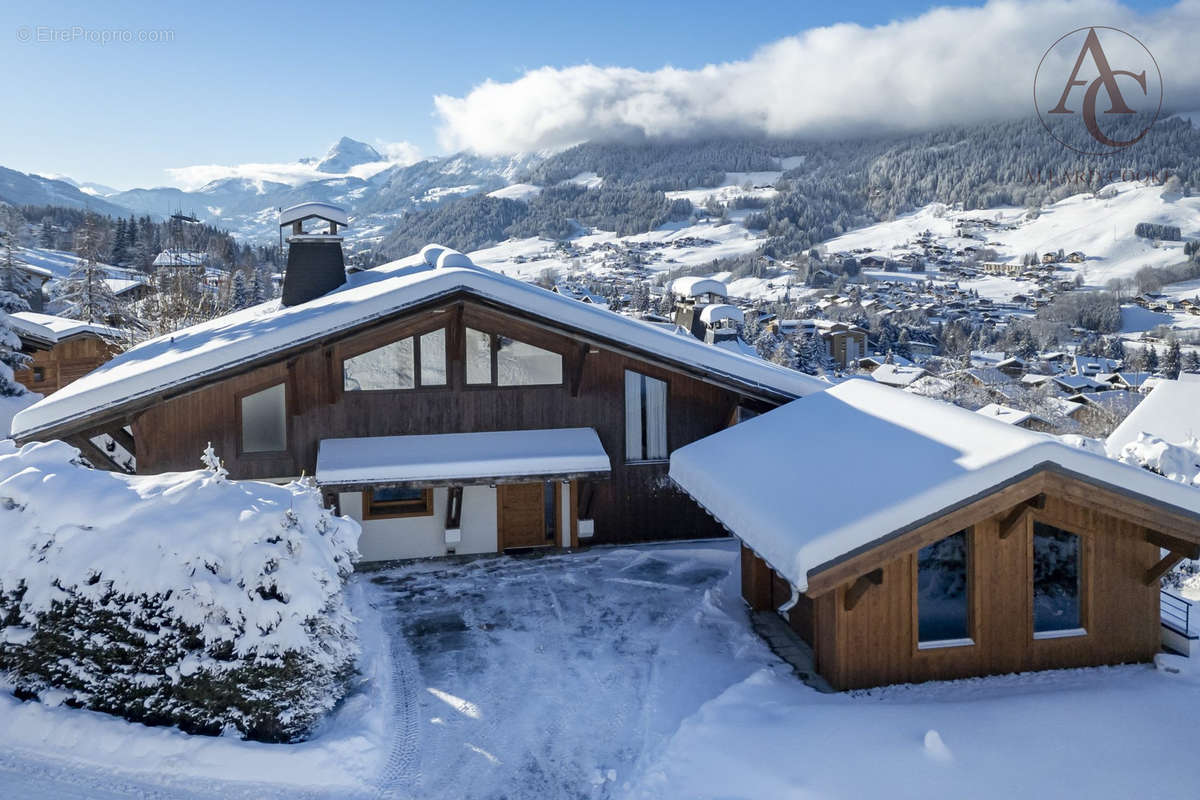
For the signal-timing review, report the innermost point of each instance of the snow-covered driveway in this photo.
(551, 676)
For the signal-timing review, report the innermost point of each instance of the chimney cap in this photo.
(314, 209)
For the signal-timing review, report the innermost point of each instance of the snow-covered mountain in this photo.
(19, 188)
(348, 153)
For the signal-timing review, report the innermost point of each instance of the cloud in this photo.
(948, 65)
(292, 173)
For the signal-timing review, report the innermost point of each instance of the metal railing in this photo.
(1175, 612)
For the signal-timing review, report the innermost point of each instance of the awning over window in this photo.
(461, 458)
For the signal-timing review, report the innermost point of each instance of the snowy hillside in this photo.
(1100, 227)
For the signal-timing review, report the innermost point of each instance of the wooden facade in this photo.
(67, 360)
(637, 501)
(860, 615)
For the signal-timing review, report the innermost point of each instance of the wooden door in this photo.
(521, 515)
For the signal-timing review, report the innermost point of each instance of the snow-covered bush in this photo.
(1179, 462)
(182, 599)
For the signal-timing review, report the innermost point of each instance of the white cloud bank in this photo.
(292, 173)
(948, 65)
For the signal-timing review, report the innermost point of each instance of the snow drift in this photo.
(183, 598)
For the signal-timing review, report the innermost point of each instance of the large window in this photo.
(394, 501)
(503, 361)
(645, 417)
(1057, 582)
(264, 420)
(395, 365)
(943, 593)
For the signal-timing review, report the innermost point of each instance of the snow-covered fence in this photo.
(183, 599)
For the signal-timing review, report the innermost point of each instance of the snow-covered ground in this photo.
(629, 673)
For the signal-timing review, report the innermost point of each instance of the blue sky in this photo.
(244, 83)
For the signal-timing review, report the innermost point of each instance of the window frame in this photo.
(1085, 586)
(379, 342)
(625, 417)
(494, 351)
(238, 397)
(372, 510)
(946, 645)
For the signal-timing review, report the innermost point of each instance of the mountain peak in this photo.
(347, 153)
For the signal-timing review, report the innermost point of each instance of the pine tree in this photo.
(258, 287)
(118, 253)
(1151, 359)
(85, 292)
(1173, 361)
(11, 357)
(12, 277)
(1192, 361)
(240, 295)
(46, 236)
(1115, 349)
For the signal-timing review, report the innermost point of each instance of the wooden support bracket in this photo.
(1173, 543)
(97, 457)
(1165, 564)
(1015, 518)
(860, 587)
(123, 438)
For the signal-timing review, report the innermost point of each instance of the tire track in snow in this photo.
(401, 767)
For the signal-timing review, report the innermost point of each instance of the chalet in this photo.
(393, 387)
(61, 350)
(1015, 416)
(28, 282)
(897, 376)
(693, 295)
(1006, 551)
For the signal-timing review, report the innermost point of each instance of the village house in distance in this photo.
(399, 388)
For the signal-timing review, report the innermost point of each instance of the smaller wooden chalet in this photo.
(449, 408)
(983, 548)
(61, 350)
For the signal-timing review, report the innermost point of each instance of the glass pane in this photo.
(656, 418)
(264, 421)
(634, 447)
(433, 358)
(1055, 579)
(387, 367)
(942, 599)
(395, 494)
(520, 364)
(479, 356)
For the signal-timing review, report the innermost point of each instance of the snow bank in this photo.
(181, 598)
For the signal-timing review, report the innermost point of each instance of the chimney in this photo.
(315, 265)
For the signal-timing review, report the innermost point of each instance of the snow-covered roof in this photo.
(64, 327)
(714, 313)
(693, 286)
(789, 498)
(303, 211)
(1008, 415)
(30, 330)
(257, 332)
(459, 457)
(178, 258)
(896, 375)
(1171, 412)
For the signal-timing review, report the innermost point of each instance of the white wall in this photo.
(423, 537)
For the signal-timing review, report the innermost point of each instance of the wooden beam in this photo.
(1016, 517)
(98, 458)
(580, 360)
(1164, 565)
(1174, 544)
(860, 587)
(123, 438)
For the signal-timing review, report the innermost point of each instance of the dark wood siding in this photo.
(638, 502)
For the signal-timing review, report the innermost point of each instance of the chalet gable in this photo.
(243, 340)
